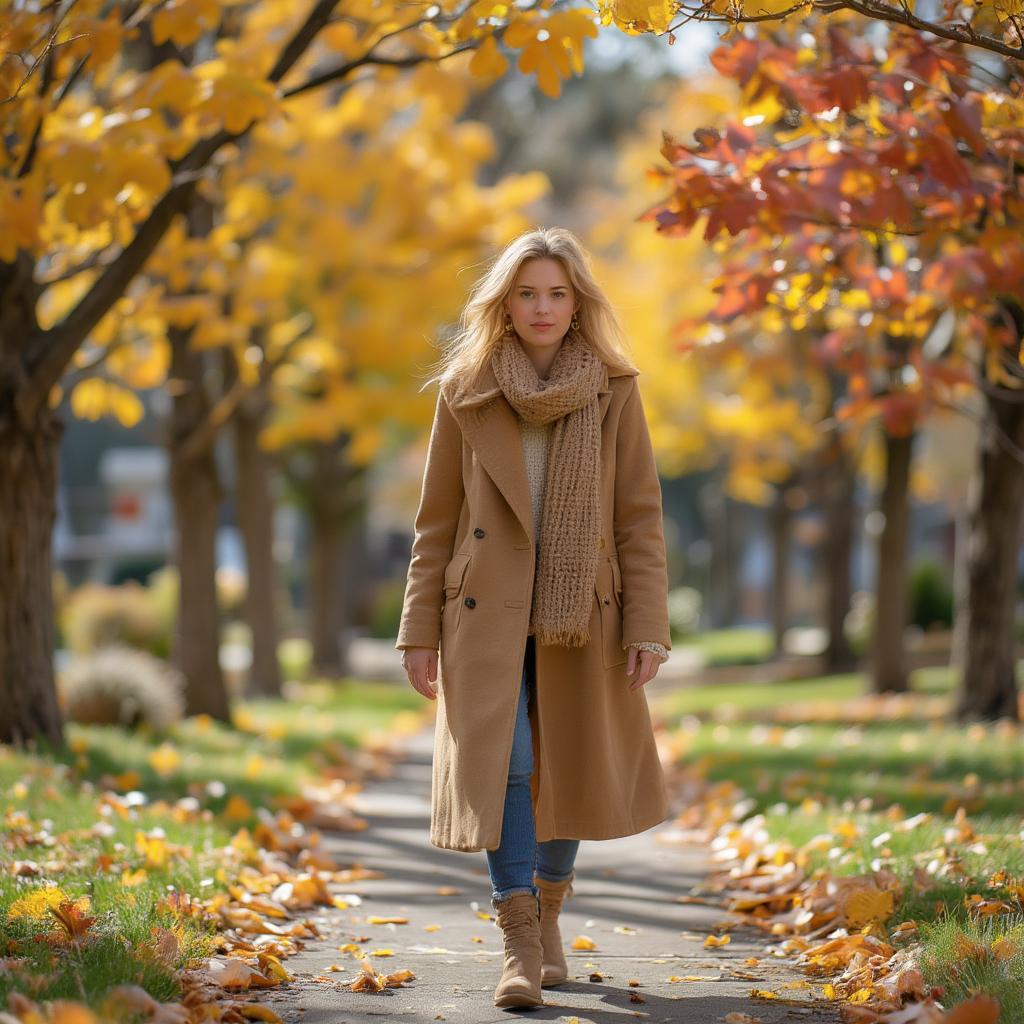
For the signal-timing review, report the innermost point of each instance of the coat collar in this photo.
(491, 427)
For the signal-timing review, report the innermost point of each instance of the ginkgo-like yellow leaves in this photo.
(488, 62)
(636, 16)
(184, 21)
(94, 398)
(20, 214)
(552, 48)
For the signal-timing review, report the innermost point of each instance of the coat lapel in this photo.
(491, 427)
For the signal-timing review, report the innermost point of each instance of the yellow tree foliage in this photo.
(105, 141)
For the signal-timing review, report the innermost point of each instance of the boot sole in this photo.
(518, 999)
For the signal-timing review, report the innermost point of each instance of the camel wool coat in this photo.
(596, 769)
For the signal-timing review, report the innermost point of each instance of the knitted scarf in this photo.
(570, 508)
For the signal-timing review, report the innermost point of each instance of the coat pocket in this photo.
(454, 579)
(608, 590)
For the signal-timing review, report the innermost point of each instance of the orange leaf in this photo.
(72, 918)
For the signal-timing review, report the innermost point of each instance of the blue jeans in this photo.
(513, 863)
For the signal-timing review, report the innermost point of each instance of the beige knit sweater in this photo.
(535, 453)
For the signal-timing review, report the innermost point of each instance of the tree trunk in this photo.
(961, 589)
(840, 482)
(781, 519)
(889, 670)
(325, 595)
(335, 500)
(988, 683)
(196, 494)
(718, 521)
(28, 488)
(255, 511)
(354, 601)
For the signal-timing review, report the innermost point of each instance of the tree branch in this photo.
(49, 352)
(877, 11)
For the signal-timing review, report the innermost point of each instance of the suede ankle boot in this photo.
(518, 916)
(554, 969)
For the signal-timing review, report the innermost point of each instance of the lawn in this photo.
(126, 828)
(844, 783)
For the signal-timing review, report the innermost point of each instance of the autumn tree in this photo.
(742, 398)
(99, 160)
(879, 186)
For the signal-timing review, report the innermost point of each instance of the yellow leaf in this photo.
(237, 808)
(37, 903)
(165, 759)
(488, 62)
(92, 399)
(718, 940)
(867, 905)
(154, 848)
(184, 21)
(373, 919)
(256, 1011)
(583, 942)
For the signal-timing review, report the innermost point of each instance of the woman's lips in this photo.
(542, 327)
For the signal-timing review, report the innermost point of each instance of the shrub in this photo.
(931, 596)
(386, 610)
(119, 686)
(96, 616)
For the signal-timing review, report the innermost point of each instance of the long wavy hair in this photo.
(482, 321)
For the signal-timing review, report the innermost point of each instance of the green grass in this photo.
(739, 645)
(725, 698)
(960, 957)
(72, 828)
(840, 776)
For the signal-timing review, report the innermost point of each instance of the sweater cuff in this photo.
(650, 645)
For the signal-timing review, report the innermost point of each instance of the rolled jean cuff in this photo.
(557, 878)
(496, 895)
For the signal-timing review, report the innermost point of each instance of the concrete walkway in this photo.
(633, 884)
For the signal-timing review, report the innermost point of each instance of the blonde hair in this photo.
(481, 324)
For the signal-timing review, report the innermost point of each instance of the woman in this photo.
(538, 569)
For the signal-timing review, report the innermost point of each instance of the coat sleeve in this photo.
(436, 521)
(639, 530)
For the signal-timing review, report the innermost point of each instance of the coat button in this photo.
(470, 602)
(606, 599)
(478, 532)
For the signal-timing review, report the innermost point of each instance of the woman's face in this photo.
(542, 302)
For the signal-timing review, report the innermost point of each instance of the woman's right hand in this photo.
(420, 664)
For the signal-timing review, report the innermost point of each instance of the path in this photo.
(634, 881)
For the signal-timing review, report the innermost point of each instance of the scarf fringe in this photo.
(562, 637)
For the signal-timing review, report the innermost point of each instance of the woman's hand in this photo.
(420, 664)
(649, 663)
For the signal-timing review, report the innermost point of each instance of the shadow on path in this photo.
(633, 883)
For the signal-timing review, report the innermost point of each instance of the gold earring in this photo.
(574, 323)
(508, 326)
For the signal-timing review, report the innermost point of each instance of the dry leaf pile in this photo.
(834, 927)
(266, 878)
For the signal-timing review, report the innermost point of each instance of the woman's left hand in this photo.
(648, 664)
